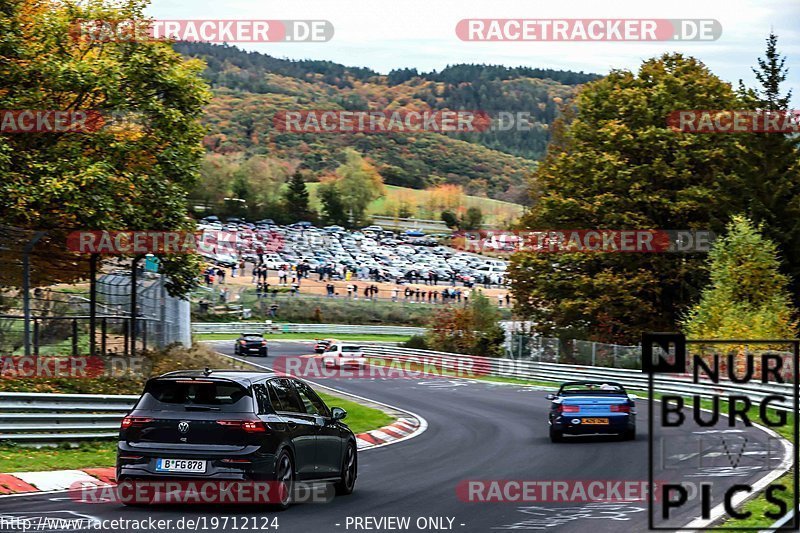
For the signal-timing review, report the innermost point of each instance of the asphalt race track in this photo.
(476, 431)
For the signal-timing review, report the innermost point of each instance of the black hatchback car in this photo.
(251, 343)
(235, 425)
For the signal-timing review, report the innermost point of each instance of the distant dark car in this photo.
(591, 408)
(235, 425)
(251, 343)
(323, 344)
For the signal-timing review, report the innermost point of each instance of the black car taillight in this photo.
(248, 426)
(129, 421)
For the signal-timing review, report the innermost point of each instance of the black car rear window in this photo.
(171, 395)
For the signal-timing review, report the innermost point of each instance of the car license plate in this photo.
(596, 421)
(180, 465)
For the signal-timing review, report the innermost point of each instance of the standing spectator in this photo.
(273, 310)
(349, 290)
(355, 291)
(395, 291)
(256, 273)
(508, 299)
(221, 275)
(242, 265)
(367, 292)
(233, 269)
(465, 294)
(435, 297)
(458, 295)
(499, 300)
(282, 275)
(295, 287)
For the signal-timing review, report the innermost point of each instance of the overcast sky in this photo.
(387, 34)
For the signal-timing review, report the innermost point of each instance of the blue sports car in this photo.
(591, 408)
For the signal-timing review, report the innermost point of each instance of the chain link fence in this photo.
(57, 302)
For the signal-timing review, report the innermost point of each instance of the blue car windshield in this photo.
(592, 388)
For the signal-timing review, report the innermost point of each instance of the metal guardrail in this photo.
(536, 371)
(329, 329)
(45, 417)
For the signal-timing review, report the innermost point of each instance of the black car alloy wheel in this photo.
(349, 471)
(284, 474)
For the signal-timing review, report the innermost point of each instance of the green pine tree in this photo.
(297, 199)
(748, 296)
(769, 188)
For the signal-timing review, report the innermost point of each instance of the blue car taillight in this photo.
(620, 408)
(568, 408)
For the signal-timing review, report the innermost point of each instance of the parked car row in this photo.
(371, 252)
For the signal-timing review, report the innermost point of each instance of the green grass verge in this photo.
(87, 455)
(303, 336)
(359, 417)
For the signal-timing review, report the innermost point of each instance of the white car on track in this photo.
(339, 355)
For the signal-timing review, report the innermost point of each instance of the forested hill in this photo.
(250, 87)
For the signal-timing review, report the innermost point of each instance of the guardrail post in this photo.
(26, 289)
(74, 336)
(36, 337)
(92, 302)
(144, 335)
(594, 353)
(103, 334)
(126, 325)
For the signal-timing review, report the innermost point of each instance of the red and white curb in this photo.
(53, 481)
(404, 428)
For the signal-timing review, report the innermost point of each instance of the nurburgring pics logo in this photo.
(712, 454)
(591, 30)
(208, 30)
(734, 121)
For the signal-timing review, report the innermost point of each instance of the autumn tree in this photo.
(473, 329)
(748, 297)
(615, 164)
(134, 170)
(347, 195)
